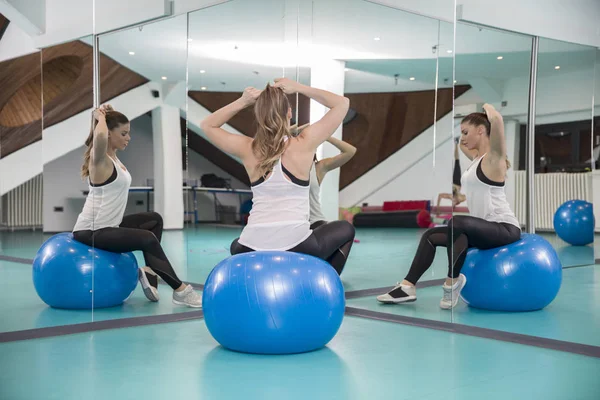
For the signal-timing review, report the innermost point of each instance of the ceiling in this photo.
(249, 43)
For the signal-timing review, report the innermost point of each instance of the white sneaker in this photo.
(399, 294)
(187, 297)
(144, 276)
(452, 293)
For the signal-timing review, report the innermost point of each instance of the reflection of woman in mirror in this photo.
(318, 171)
(278, 165)
(101, 223)
(491, 222)
(457, 197)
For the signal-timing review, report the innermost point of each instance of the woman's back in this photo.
(277, 164)
(280, 210)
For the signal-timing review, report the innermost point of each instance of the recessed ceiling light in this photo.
(190, 39)
(449, 51)
(132, 53)
(412, 78)
(557, 67)
(202, 71)
(203, 88)
(499, 57)
(346, 69)
(164, 78)
(454, 81)
(377, 38)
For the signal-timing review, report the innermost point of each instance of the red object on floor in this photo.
(407, 205)
(356, 241)
(423, 219)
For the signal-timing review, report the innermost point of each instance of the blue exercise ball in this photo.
(574, 222)
(273, 302)
(63, 270)
(523, 276)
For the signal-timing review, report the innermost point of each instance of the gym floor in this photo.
(416, 351)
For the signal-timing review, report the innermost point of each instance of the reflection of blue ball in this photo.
(273, 302)
(574, 222)
(62, 274)
(523, 276)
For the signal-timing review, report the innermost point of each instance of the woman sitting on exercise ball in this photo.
(278, 165)
(491, 222)
(101, 223)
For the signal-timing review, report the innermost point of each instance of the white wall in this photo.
(63, 188)
(29, 15)
(64, 26)
(563, 97)
(440, 9)
(573, 21)
(15, 43)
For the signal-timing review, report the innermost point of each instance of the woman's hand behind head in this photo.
(250, 95)
(287, 85)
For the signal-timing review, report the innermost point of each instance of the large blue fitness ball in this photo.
(574, 222)
(273, 302)
(523, 276)
(62, 274)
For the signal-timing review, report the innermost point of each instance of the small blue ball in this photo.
(574, 222)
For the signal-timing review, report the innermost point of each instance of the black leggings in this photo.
(461, 233)
(456, 175)
(141, 231)
(330, 241)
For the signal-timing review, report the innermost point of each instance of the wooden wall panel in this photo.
(14, 74)
(77, 97)
(386, 122)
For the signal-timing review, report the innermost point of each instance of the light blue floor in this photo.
(21, 308)
(381, 258)
(573, 316)
(366, 360)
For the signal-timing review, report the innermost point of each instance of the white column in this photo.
(511, 134)
(328, 75)
(168, 172)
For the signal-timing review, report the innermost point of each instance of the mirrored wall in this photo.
(399, 155)
(21, 189)
(550, 273)
(400, 122)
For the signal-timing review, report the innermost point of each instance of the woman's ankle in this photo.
(407, 283)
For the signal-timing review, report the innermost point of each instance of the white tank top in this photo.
(279, 216)
(105, 205)
(485, 200)
(315, 197)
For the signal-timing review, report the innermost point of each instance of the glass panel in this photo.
(21, 191)
(501, 280)
(143, 77)
(403, 137)
(563, 149)
(222, 61)
(596, 148)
